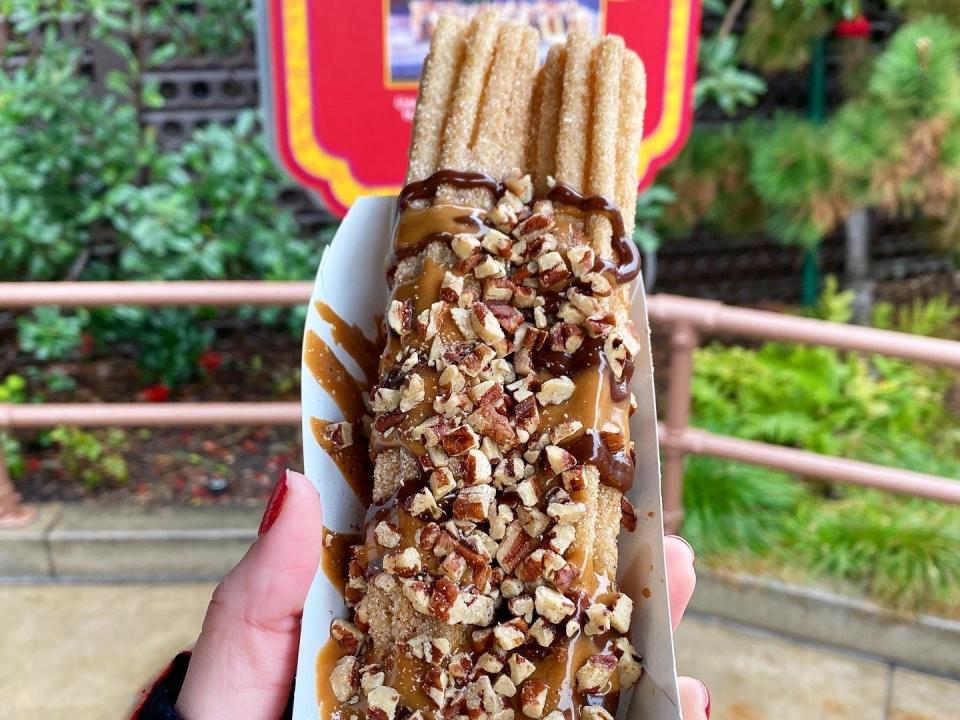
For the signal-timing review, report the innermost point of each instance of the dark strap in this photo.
(158, 705)
(161, 698)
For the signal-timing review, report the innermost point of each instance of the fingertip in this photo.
(679, 546)
(694, 699)
(681, 575)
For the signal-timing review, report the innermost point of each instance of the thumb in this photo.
(245, 658)
(694, 699)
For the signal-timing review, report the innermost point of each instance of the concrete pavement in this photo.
(83, 651)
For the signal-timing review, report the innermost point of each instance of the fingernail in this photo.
(693, 555)
(274, 504)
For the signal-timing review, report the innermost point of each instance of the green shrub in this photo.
(737, 509)
(48, 334)
(94, 458)
(86, 194)
(902, 551)
(13, 389)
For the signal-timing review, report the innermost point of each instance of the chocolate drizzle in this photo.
(628, 266)
(624, 270)
(588, 355)
(616, 469)
(427, 189)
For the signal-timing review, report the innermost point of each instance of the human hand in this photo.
(246, 656)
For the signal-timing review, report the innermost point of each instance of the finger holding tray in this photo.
(482, 583)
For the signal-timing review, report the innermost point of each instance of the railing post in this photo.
(683, 341)
(12, 513)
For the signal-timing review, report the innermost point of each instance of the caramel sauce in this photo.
(353, 461)
(333, 377)
(336, 556)
(327, 704)
(423, 290)
(352, 339)
(417, 228)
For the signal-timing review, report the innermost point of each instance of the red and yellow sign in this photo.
(339, 81)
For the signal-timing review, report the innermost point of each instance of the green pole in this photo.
(817, 112)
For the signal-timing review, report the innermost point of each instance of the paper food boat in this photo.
(351, 281)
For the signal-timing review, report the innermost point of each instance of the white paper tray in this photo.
(351, 280)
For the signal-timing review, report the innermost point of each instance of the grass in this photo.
(902, 552)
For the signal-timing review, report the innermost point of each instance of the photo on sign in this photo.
(409, 25)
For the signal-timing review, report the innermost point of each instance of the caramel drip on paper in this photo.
(352, 339)
(333, 377)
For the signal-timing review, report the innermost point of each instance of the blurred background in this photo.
(821, 181)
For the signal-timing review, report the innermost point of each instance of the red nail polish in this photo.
(693, 555)
(274, 504)
(706, 709)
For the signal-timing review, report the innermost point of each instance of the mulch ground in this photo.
(174, 465)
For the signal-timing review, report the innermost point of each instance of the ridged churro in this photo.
(484, 585)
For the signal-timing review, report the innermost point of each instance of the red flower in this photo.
(858, 27)
(210, 360)
(156, 393)
(33, 464)
(86, 344)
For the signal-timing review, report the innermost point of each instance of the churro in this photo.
(484, 585)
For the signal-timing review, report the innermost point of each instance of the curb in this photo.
(123, 543)
(128, 543)
(922, 642)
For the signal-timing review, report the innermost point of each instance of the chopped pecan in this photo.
(442, 597)
(498, 290)
(487, 421)
(523, 296)
(460, 440)
(382, 702)
(347, 635)
(400, 316)
(343, 678)
(628, 515)
(464, 245)
(339, 435)
(558, 459)
(405, 563)
(520, 668)
(566, 337)
(533, 697)
(477, 471)
(388, 420)
(527, 415)
(516, 546)
(556, 391)
(496, 243)
(612, 437)
(509, 317)
(473, 503)
(533, 227)
(427, 536)
(582, 259)
(600, 325)
(595, 672)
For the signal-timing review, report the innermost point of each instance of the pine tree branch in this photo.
(730, 18)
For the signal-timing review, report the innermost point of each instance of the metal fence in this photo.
(688, 320)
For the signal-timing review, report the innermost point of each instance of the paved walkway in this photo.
(81, 652)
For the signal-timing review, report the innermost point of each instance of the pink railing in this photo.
(689, 321)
